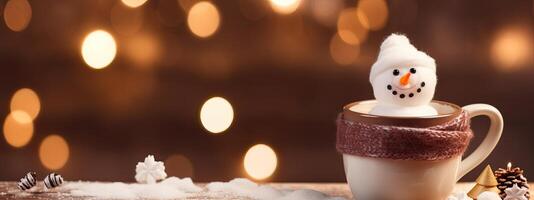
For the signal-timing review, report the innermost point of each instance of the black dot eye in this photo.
(412, 70)
(396, 72)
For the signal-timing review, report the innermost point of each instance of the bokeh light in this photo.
(26, 100)
(99, 49)
(18, 128)
(179, 166)
(134, 3)
(260, 161)
(17, 14)
(349, 27)
(373, 14)
(143, 49)
(54, 152)
(21, 117)
(216, 115)
(512, 49)
(326, 11)
(343, 53)
(203, 19)
(285, 6)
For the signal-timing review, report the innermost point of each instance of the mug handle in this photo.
(489, 142)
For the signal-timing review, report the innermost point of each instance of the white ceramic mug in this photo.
(389, 179)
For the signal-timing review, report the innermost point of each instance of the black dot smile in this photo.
(411, 94)
(402, 96)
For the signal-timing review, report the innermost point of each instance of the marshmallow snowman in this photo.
(403, 79)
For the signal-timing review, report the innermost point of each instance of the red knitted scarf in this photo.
(407, 143)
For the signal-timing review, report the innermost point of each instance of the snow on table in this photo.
(175, 188)
(9, 190)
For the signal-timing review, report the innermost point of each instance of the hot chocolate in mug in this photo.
(411, 158)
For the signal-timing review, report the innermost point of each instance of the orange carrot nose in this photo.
(404, 80)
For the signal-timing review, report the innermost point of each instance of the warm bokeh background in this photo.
(284, 67)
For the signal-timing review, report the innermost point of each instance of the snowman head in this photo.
(403, 75)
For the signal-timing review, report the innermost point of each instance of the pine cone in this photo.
(507, 179)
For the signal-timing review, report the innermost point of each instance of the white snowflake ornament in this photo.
(488, 196)
(516, 193)
(150, 170)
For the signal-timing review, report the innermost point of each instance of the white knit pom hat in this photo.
(396, 51)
